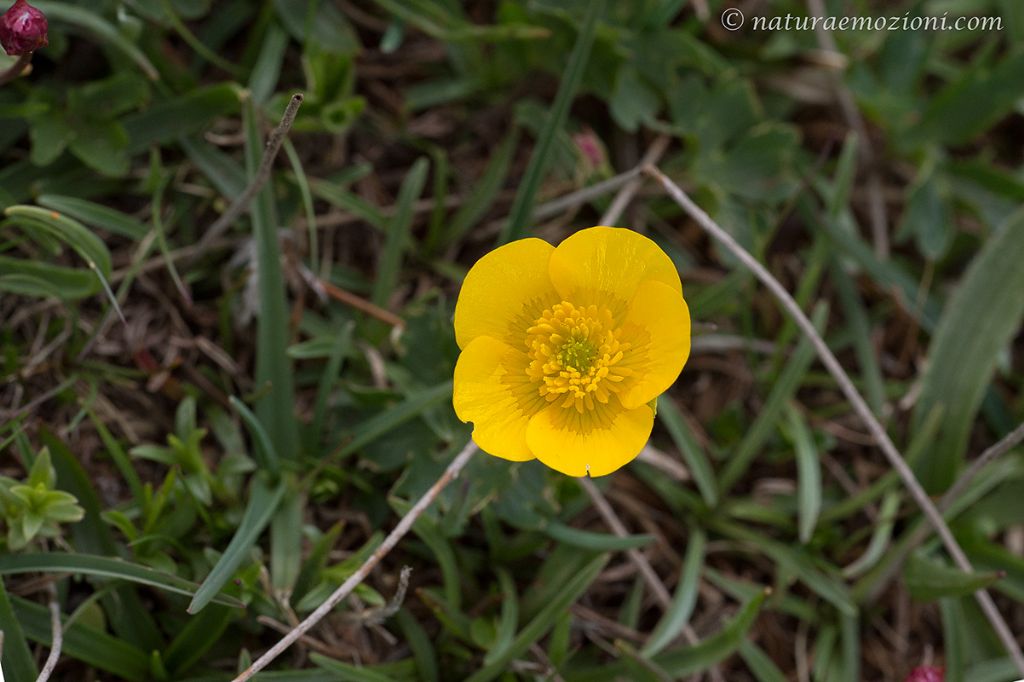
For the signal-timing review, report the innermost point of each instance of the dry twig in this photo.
(262, 174)
(403, 527)
(860, 406)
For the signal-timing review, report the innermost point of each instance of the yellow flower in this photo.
(564, 349)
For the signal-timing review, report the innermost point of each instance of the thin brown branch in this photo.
(860, 406)
(403, 527)
(360, 303)
(241, 204)
(628, 191)
(920, 534)
(647, 572)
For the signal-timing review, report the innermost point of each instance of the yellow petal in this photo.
(602, 263)
(597, 442)
(492, 390)
(504, 292)
(657, 326)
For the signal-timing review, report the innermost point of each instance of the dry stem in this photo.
(403, 527)
(860, 406)
(262, 174)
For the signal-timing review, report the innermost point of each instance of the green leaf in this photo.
(927, 580)
(101, 145)
(181, 115)
(522, 207)
(260, 509)
(103, 31)
(982, 316)
(971, 104)
(927, 215)
(50, 135)
(633, 102)
(102, 567)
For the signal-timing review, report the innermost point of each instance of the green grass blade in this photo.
(808, 474)
(596, 542)
(568, 593)
(73, 233)
(276, 408)
(94, 214)
(389, 267)
(860, 332)
(763, 668)
(767, 421)
(522, 207)
(411, 407)
(981, 318)
(954, 640)
(302, 182)
(716, 648)
(880, 538)
(18, 663)
(509, 618)
(690, 449)
(263, 502)
(197, 637)
(265, 452)
(85, 644)
(286, 540)
(102, 567)
(422, 648)
(683, 601)
(485, 192)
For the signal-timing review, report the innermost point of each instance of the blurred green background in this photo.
(237, 420)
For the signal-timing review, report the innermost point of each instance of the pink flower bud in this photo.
(22, 29)
(926, 673)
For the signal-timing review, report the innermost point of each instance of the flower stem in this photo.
(16, 69)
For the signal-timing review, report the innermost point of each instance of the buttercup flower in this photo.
(565, 349)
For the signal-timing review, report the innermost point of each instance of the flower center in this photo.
(575, 354)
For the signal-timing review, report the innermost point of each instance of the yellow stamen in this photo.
(574, 353)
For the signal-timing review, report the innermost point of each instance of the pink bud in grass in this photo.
(22, 29)
(926, 673)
